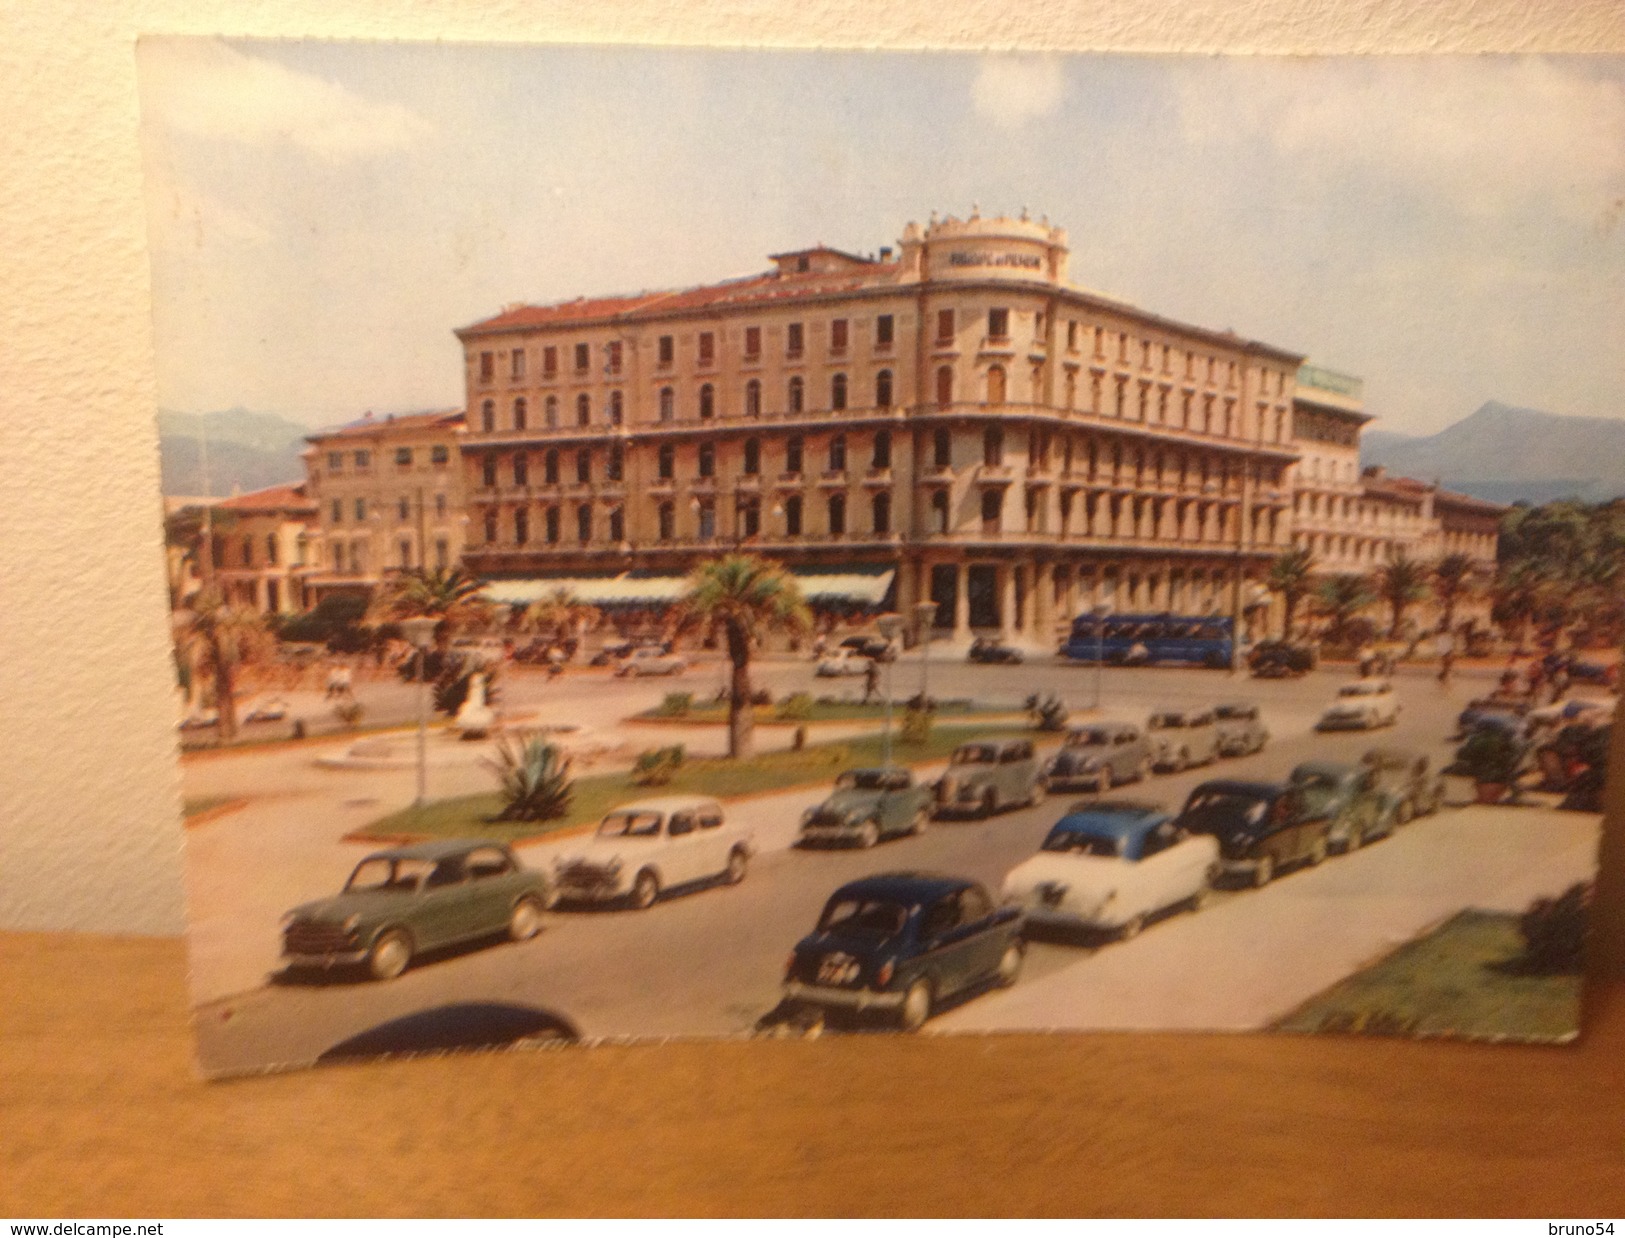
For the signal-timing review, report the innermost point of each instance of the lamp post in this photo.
(890, 626)
(925, 616)
(419, 632)
(1100, 610)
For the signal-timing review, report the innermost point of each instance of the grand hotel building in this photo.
(953, 421)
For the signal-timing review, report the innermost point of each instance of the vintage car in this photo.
(1181, 738)
(1363, 705)
(842, 662)
(1406, 782)
(986, 649)
(987, 775)
(267, 709)
(1347, 797)
(651, 661)
(642, 850)
(1109, 865)
(1273, 659)
(1500, 707)
(1241, 728)
(1580, 670)
(401, 902)
(900, 943)
(1098, 756)
(867, 806)
(876, 648)
(1260, 827)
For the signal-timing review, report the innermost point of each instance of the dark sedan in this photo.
(994, 652)
(901, 943)
(1261, 827)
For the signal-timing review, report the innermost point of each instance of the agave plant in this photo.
(535, 777)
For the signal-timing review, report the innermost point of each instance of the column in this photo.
(961, 602)
(1043, 604)
(1006, 577)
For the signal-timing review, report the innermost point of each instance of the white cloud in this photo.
(1011, 90)
(205, 88)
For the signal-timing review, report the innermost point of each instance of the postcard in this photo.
(696, 543)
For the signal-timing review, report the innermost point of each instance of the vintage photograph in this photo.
(695, 543)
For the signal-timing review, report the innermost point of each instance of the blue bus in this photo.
(1140, 640)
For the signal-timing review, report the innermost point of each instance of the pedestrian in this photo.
(1446, 645)
(871, 681)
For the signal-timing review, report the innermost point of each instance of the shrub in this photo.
(676, 704)
(535, 778)
(1489, 755)
(655, 766)
(1554, 930)
(797, 707)
(916, 729)
(1049, 713)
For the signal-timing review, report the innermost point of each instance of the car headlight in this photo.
(352, 922)
(614, 865)
(885, 972)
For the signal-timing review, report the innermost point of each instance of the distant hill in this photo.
(247, 451)
(1507, 454)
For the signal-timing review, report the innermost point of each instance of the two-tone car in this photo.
(1363, 705)
(1406, 781)
(1346, 796)
(403, 901)
(842, 662)
(1108, 866)
(1098, 757)
(1181, 738)
(986, 776)
(1241, 728)
(866, 806)
(1260, 827)
(643, 850)
(899, 944)
(651, 660)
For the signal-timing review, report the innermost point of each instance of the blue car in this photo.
(900, 944)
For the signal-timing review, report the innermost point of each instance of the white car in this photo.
(841, 662)
(651, 661)
(644, 849)
(1363, 705)
(1109, 866)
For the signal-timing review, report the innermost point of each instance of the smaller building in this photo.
(260, 548)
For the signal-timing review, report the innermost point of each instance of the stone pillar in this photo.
(1043, 604)
(961, 602)
(1006, 577)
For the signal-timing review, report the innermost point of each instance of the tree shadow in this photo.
(460, 1027)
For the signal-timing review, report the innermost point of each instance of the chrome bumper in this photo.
(847, 999)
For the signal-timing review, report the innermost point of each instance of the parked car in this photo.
(901, 943)
(1109, 865)
(866, 806)
(1406, 781)
(985, 649)
(651, 661)
(644, 849)
(1363, 705)
(1260, 827)
(988, 775)
(1346, 795)
(1581, 670)
(877, 648)
(269, 709)
(841, 662)
(1500, 707)
(406, 900)
(1097, 757)
(1181, 738)
(1241, 728)
(479, 651)
(1274, 659)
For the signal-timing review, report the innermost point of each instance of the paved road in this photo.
(709, 963)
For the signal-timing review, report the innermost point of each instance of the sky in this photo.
(324, 215)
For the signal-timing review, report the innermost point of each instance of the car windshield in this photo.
(633, 824)
(1359, 689)
(386, 873)
(1167, 722)
(1092, 737)
(863, 917)
(976, 754)
(1233, 712)
(861, 780)
(1226, 809)
(1084, 843)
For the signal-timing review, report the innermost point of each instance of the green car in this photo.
(406, 900)
(868, 805)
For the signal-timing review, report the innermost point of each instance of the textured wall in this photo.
(88, 786)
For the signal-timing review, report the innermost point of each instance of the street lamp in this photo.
(925, 617)
(419, 632)
(1100, 610)
(889, 626)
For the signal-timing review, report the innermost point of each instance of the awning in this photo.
(860, 584)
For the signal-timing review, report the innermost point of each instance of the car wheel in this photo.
(1318, 852)
(1263, 871)
(916, 1008)
(1130, 928)
(1010, 964)
(737, 862)
(990, 802)
(645, 889)
(1356, 837)
(922, 817)
(526, 920)
(391, 954)
(868, 835)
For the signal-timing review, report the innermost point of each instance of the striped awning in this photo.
(862, 585)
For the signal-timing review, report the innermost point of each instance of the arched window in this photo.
(490, 527)
(942, 452)
(521, 469)
(945, 385)
(550, 468)
(837, 392)
(550, 412)
(584, 523)
(551, 525)
(793, 454)
(617, 408)
(883, 389)
(837, 454)
(584, 464)
(992, 509)
(882, 456)
(993, 446)
(753, 456)
(270, 549)
(668, 522)
(521, 526)
(488, 471)
(583, 409)
(668, 404)
(519, 413)
(488, 416)
(614, 466)
(995, 384)
(939, 511)
(792, 516)
(666, 461)
(753, 398)
(708, 460)
(708, 402)
(881, 512)
(797, 395)
(617, 525)
(837, 515)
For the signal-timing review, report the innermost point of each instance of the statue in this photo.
(475, 719)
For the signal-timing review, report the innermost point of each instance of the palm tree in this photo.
(1400, 582)
(1291, 576)
(1521, 591)
(1452, 581)
(1340, 598)
(561, 614)
(447, 594)
(219, 640)
(749, 597)
(185, 533)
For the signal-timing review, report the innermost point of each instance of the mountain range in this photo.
(1507, 454)
(247, 451)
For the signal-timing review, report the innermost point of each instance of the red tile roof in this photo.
(373, 424)
(289, 497)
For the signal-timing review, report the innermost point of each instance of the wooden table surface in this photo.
(102, 1115)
